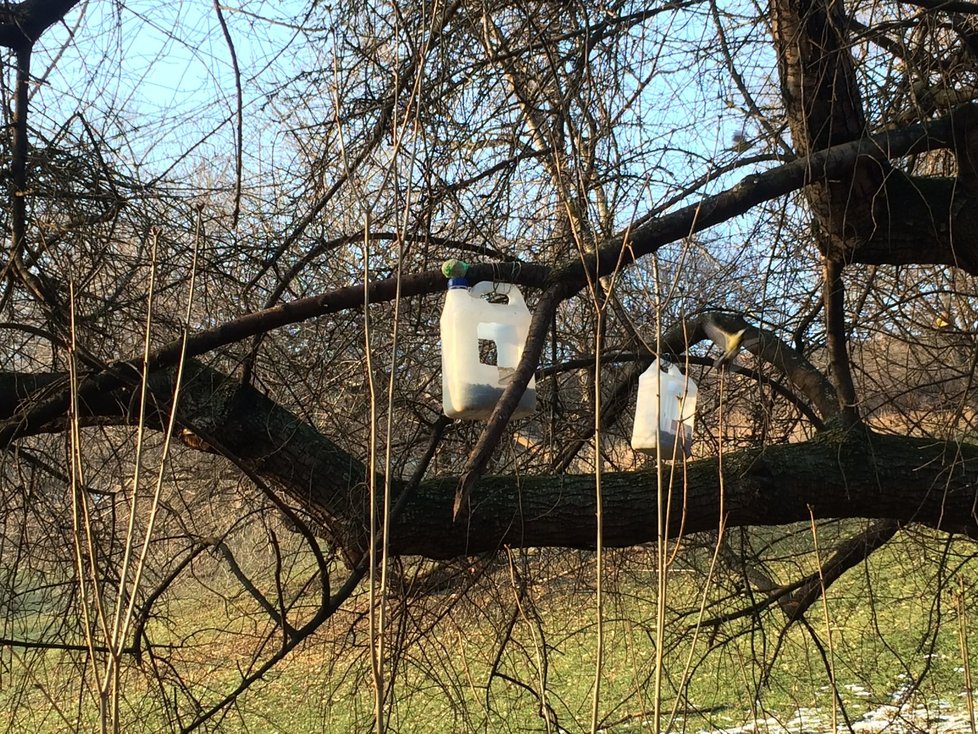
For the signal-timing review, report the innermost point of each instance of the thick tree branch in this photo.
(40, 412)
(818, 79)
(965, 132)
(911, 480)
(823, 165)
(871, 212)
(825, 108)
(839, 474)
(22, 24)
(766, 346)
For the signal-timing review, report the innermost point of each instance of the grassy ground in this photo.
(477, 660)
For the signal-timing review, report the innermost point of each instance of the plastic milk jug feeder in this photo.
(664, 412)
(481, 345)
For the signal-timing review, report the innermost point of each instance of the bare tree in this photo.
(208, 344)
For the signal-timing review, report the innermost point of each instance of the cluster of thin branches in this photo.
(150, 580)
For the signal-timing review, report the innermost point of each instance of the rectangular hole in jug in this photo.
(494, 297)
(487, 352)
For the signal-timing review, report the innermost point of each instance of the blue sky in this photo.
(159, 75)
(156, 80)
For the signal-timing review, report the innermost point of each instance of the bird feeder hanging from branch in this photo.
(481, 344)
(664, 412)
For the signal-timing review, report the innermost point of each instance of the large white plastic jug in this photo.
(667, 402)
(481, 345)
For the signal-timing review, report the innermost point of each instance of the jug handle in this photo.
(485, 287)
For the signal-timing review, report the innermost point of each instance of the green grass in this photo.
(890, 626)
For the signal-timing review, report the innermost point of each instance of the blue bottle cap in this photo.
(457, 283)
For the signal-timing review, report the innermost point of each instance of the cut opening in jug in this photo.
(488, 353)
(483, 331)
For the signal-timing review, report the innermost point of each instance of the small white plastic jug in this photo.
(471, 329)
(667, 401)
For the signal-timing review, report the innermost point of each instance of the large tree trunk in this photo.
(862, 475)
(873, 213)
(839, 474)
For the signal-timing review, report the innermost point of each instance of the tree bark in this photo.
(869, 211)
(839, 474)
(22, 24)
(835, 476)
